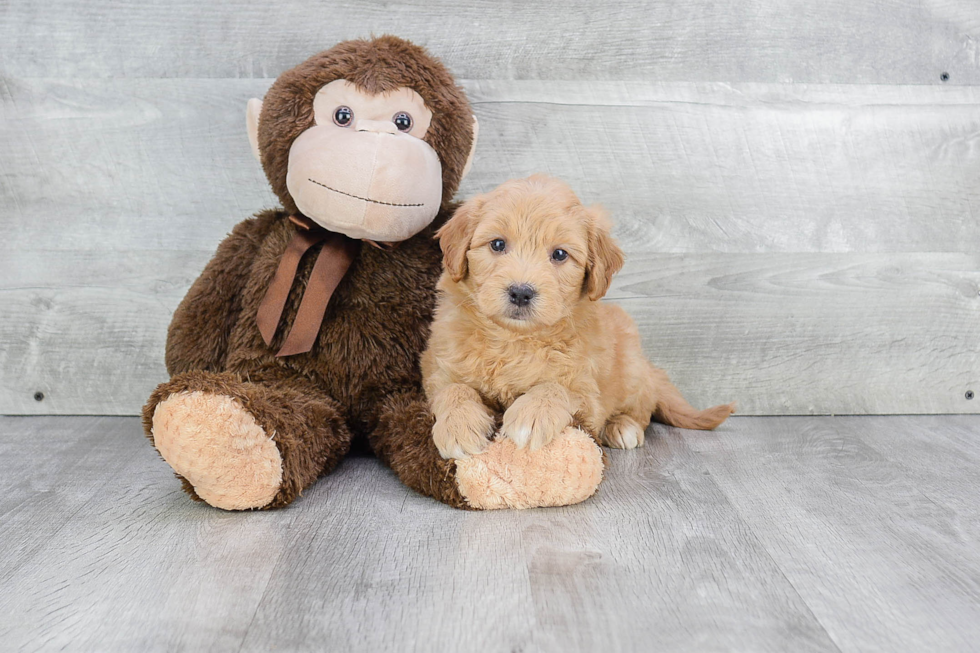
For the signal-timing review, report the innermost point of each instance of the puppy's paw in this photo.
(622, 432)
(464, 430)
(534, 421)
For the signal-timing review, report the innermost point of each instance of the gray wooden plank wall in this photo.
(795, 184)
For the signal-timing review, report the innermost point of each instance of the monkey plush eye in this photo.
(343, 116)
(402, 121)
(559, 255)
(498, 244)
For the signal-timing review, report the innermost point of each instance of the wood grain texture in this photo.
(811, 333)
(658, 548)
(871, 41)
(778, 333)
(749, 168)
(362, 564)
(773, 230)
(87, 329)
(956, 453)
(846, 522)
(769, 534)
(104, 552)
(145, 165)
(165, 164)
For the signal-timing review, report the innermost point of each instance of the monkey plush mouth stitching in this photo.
(366, 199)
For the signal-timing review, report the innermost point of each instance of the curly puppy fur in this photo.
(519, 329)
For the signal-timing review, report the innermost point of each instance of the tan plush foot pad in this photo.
(213, 442)
(566, 471)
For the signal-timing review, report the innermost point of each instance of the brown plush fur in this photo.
(377, 65)
(561, 355)
(362, 378)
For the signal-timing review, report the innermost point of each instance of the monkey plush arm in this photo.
(198, 334)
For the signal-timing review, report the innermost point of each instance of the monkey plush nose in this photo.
(377, 126)
(521, 295)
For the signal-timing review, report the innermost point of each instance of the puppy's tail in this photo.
(672, 409)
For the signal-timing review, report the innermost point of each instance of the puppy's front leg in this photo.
(537, 416)
(463, 425)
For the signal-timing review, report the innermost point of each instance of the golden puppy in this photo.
(518, 329)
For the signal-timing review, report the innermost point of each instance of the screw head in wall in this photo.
(38, 396)
(969, 394)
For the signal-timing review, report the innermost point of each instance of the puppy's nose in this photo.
(521, 295)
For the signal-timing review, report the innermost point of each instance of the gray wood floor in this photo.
(772, 534)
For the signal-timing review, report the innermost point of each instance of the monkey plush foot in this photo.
(565, 471)
(214, 443)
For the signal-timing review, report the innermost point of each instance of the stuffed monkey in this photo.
(305, 329)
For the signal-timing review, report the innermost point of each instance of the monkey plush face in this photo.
(380, 179)
(365, 138)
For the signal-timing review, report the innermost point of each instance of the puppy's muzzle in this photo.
(521, 295)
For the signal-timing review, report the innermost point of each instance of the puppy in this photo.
(519, 330)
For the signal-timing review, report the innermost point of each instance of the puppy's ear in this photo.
(455, 236)
(605, 257)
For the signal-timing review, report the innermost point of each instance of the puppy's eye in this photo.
(498, 244)
(343, 116)
(402, 121)
(559, 255)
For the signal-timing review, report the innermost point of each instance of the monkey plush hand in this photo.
(305, 329)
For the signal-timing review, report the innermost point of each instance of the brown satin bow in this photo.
(333, 260)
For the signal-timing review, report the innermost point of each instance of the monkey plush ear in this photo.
(455, 236)
(252, 111)
(469, 159)
(605, 256)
